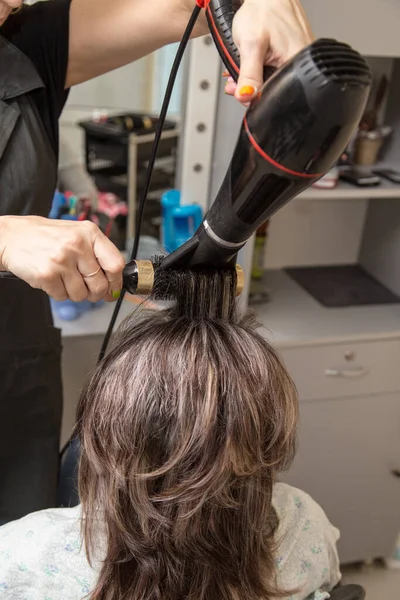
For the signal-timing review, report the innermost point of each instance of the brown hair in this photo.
(183, 428)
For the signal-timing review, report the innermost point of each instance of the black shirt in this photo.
(41, 32)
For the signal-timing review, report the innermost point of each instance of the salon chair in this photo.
(68, 497)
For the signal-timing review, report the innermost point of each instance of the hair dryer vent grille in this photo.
(339, 62)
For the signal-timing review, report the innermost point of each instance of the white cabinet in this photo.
(370, 26)
(349, 447)
(346, 369)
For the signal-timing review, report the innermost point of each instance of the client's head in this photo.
(184, 427)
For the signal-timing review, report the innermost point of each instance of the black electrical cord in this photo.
(157, 137)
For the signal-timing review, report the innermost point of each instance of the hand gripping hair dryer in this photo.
(293, 133)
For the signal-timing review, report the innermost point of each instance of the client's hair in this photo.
(183, 428)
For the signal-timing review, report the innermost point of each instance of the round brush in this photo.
(141, 276)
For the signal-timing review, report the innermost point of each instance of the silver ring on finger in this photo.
(91, 274)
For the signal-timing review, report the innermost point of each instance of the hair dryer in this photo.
(294, 131)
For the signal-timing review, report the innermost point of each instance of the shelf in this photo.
(294, 318)
(345, 191)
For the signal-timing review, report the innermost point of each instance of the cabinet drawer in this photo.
(338, 370)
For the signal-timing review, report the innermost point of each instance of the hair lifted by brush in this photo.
(183, 428)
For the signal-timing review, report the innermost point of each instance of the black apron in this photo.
(30, 349)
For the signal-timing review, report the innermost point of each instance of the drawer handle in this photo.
(356, 372)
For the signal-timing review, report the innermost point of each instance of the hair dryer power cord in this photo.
(157, 137)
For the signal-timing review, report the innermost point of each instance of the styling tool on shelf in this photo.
(388, 173)
(259, 292)
(370, 120)
(360, 177)
(372, 133)
(260, 241)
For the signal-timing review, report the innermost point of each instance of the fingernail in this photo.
(116, 294)
(225, 74)
(246, 90)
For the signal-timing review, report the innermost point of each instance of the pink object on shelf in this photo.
(111, 205)
(328, 181)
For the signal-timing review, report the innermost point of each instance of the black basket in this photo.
(107, 142)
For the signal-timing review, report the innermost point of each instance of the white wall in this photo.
(316, 232)
(138, 87)
(125, 89)
(371, 26)
(162, 64)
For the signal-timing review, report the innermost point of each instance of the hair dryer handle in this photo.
(220, 15)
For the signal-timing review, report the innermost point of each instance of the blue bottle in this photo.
(67, 310)
(59, 202)
(185, 221)
(169, 201)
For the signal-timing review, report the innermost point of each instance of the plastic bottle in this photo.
(259, 251)
(59, 202)
(185, 221)
(394, 561)
(169, 201)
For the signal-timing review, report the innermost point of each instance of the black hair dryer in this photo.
(294, 131)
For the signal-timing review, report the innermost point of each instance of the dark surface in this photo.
(33, 63)
(68, 480)
(41, 32)
(116, 127)
(348, 592)
(343, 285)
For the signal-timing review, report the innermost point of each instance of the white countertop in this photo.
(294, 318)
(93, 322)
(345, 190)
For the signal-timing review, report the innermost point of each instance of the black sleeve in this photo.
(41, 32)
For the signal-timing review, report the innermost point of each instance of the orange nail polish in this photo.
(225, 74)
(247, 90)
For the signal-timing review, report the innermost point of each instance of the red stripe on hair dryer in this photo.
(294, 131)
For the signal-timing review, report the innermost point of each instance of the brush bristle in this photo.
(215, 289)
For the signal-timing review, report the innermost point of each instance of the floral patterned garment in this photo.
(42, 556)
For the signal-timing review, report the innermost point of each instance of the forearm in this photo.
(106, 34)
(3, 226)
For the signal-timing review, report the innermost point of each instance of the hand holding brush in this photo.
(66, 259)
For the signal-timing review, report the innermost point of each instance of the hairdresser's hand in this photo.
(267, 32)
(6, 6)
(63, 258)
